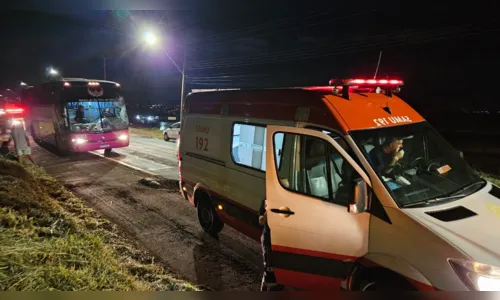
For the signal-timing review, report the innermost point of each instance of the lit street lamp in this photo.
(53, 72)
(151, 40)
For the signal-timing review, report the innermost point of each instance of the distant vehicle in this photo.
(11, 112)
(362, 192)
(79, 115)
(172, 132)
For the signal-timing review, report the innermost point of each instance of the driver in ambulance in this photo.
(387, 155)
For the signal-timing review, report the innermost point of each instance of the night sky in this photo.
(446, 55)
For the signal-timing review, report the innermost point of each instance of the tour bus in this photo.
(343, 212)
(79, 115)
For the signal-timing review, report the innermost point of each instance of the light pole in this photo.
(104, 66)
(151, 40)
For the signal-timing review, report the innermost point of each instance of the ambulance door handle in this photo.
(284, 211)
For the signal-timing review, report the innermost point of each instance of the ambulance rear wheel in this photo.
(208, 217)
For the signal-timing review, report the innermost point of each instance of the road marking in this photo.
(125, 164)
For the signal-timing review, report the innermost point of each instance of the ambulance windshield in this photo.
(416, 164)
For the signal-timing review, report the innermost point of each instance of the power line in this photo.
(274, 31)
(234, 33)
(331, 44)
(333, 51)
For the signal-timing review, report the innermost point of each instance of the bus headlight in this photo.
(477, 276)
(79, 141)
(16, 122)
(123, 137)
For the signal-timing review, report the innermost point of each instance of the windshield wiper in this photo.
(433, 200)
(481, 181)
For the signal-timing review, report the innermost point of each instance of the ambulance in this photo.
(362, 193)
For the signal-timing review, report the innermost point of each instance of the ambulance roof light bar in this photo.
(344, 85)
(366, 82)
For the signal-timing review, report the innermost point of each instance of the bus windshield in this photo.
(426, 170)
(97, 115)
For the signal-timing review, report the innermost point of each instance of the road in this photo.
(159, 219)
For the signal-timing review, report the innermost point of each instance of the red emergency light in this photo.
(359, 81)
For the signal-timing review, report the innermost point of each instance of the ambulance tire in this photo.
(208, 217)
(385, 283)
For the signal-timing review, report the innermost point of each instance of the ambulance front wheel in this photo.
(383, 283)
(208, 217)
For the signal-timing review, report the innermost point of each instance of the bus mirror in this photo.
(359, 199)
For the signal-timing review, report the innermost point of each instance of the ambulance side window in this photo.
(249, 145)
(312, 166)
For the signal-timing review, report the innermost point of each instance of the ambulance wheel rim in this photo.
(370, 287)
(206, 215)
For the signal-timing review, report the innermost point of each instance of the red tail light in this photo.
(14, 110)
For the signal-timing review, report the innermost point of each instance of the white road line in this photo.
(125, 164)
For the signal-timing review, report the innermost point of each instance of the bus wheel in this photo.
(33, 134)
(61, 149)
(208, 217)
(107, 151)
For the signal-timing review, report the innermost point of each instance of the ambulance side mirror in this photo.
(359, 197)
(461, 154)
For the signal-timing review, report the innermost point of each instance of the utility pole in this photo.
(183, 84)
(104, 65)
(378, 64)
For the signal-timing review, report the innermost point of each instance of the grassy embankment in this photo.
(492, 178)
(49, 240)
(147, 132)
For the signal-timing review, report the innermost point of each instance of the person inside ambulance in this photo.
(385, 156)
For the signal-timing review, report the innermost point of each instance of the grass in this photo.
(49, 240)
(147, 132)
(492, 178)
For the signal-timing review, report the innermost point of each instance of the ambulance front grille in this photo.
(452, 214)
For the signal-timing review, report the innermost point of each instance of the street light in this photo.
(151, 39)
(53, 72)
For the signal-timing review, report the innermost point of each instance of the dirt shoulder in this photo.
(159, 220)
(50, 240)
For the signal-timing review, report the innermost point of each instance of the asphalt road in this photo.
(159, 219)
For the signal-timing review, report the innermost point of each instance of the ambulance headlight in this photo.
(16, 122)
(477, 276)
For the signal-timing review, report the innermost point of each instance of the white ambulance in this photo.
(362, 193)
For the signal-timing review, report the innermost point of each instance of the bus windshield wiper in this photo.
(433, 200)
